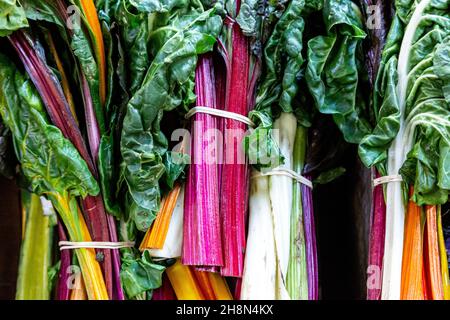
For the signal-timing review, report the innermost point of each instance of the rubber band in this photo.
(287, 173)
(68, 245)
(387, 179)
(220, 113)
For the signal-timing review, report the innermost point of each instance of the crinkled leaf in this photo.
(333, 75)
(140, 275)
(48, 160)
(12, 17)
(425, 118)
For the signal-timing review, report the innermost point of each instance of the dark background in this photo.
(341, 212)
(10, 234)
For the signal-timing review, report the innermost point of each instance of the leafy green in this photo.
(333, 74)
(81, 47)
(48, 160)
(12, 17)
(168, 84)
(283, 60)
(140, 275)
(41, 11)
(330, 175)
(411, 103)
(279, 86)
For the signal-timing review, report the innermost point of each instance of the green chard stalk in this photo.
(36, 252)
(297, 276)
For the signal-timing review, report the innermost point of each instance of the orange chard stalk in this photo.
(204, 284)
(443, 255)
(219, 286)
(412, 267)
(156, 235)
(184, 282)
(64, 79)
(90, 12)
(433, 264)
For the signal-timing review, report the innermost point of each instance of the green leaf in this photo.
(82, 50)
(283, 60)
(330, 175)
(333, 76)
(279, 86)
(49, 161)
(419, 120)
(12, 17)
(140, 275)
(41, 11)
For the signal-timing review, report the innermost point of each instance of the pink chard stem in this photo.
(235, 170)
(202, 244)
(62, 288)
(376, 244)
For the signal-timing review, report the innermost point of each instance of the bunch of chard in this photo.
(295, 56)
(161, 60)
(411, 137)
(52, 51)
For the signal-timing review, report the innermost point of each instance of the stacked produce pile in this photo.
(169, 149)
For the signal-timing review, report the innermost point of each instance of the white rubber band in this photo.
(387, 179)
(69, 245)
(287, 173)
(220, 113)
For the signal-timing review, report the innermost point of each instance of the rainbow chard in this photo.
(58, 100)
(411, 136)
(60, 113)
(175, 46)
(373, 49)
(40, 146)
(161, 79)
(281, 118)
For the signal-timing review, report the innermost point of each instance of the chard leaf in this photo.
(283, 60)
(41, 11)
(107, 171)
(82, 50)
(330, 175)
(49, 161)
(134, 34)
(140, 275)
(151, 6)
(333, 75)
(12, 17)
(411, 101)
(279, 87)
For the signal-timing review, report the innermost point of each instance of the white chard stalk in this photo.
(395, 206)
(281, 188)
(174, 239)
(268, 243)
(260, 266)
